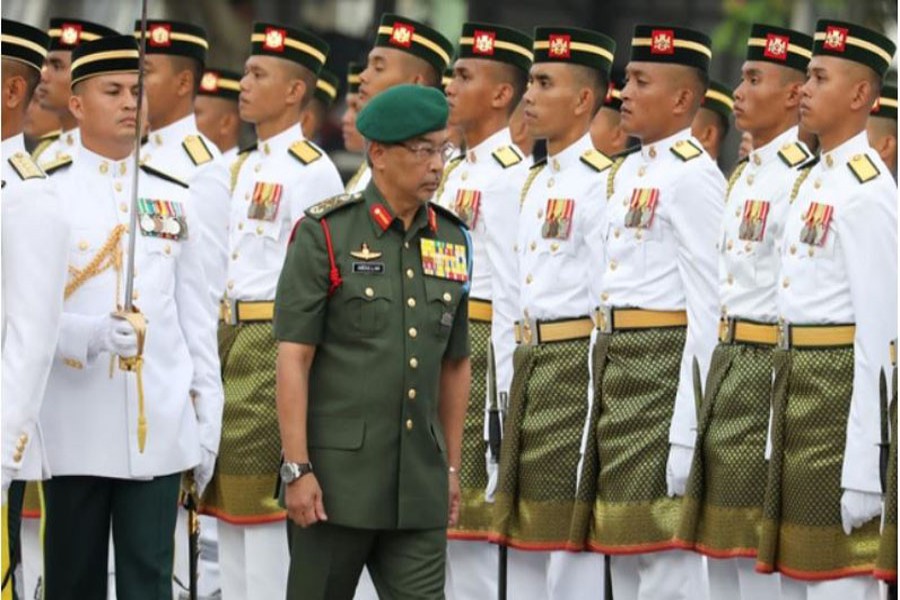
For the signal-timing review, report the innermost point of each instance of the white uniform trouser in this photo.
(32, 557)
(736, 578)
(253, 560)
(207, 570)
(850, 588)
(471, 570)
(557, 575)
(669, 575)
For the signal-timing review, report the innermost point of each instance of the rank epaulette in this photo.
(596, 160)
(163, 175)
(326, 207)
(802, 173)
(61, 161)
(507, 156)
(533, 172)
(448, 213)
(45, 142)
(686, 150)
(863, 168)
(197, 149)
(25, 167)
(235, 168)
(794, 154)
(305, 152)
(735, 175)
(618, 161)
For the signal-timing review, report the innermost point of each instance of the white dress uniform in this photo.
(66, 145)
(669, 266)
(483, 189)
(556, 280)
(254, 559)
(844, 281)
(89, 417)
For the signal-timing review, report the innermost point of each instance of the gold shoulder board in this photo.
(507, 156)
(793, 154)
(863, 167)
(686, 150)
(197, 149)
(596, 160)
(305, 152)
(25, 166)
(63, 160)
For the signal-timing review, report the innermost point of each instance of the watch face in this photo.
(289, 472)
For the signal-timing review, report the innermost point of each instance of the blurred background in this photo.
(348, 25)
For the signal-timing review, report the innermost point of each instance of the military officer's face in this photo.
(551, 100)
(106, 107)
(759, 98)
(53, 91)
(415, 166)
(474, 87)
(266, 83)
(646, 95)
(386, 67)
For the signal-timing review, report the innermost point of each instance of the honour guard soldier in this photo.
(837, 301)
(723, 501)
(882, 127)
(54, 90)
(274, 182)
(35, 243)
(657, 313)
(712, 121)
(405, 51)
(559, 257)
(606, 128)
(376, 283)
(482, 188)
(216, 110)
(316, 112)
(118, 439)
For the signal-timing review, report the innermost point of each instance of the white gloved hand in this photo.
(857, 508)
(493, 471)
(678, 467)
(115, 336)
(203, 472)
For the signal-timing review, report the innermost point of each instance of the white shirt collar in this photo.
(570, 155)
(483, 150)
(769, 152)
(173, 132)
(280, 142)
(858, 144)
(661, 147)
(95, 163)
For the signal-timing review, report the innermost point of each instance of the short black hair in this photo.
(303, 73)
(516, 78)
(31, 76)
(185, 63)
(597, 80)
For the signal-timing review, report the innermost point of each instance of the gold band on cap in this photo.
(720, 97)
(580, 47)
(502, 45)
(419, 39)
(800, 50)
(180, 37)
(229, 84)
(292, 43)
(353, 79)
(327, 88)
(890, 102)
(85, 36)
(20, 41)
(860, 43)
(684, 44)
(109, 55)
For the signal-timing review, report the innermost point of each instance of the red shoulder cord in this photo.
(334, 275)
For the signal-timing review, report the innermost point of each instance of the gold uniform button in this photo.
(135, 295)
(447, 297)
(515, 247)
(737, 213)
(104, 167)
(82, 245)
(757, 160)
(604, 296)
(829, 160)
(167, 249)
(257, 168)
(652, 152)
(234, 256)
(411, 302)
(240, 226)
(817, 183)
(540, 214)
(369, 292)
(793, 249)
(533, 246)
(259, 230)
(729, 244)
(230, 285)
(613, 265)
(748, 247)
(786, 282)
(529, 278)
(749, 179)
(409, 424)
(411, 394)
(642, 171)
(811, 251)
(18, 456)
(464, 176)
(414, 363)
(554, 247)
(616, 233)
(413, 332)
(123, 207)
(730, 279)
(247, 196)
(117, 186)
(550, 182)
(410, 273)
(639, 234)
(406, 245)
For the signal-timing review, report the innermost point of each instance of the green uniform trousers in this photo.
(78, 513)
(327, 559)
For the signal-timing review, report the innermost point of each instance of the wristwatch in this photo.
(291, 471)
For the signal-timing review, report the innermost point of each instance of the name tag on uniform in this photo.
(816, 224)
(558, 219)
(162, 219)
(368, 268)
(753, 222)
(444, 260)
(642, 208)
(466, 206)
(264, 201)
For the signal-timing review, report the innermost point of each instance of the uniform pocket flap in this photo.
(336, 433)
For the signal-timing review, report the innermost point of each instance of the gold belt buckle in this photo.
(603, 319)
(784, 335)
(727, 327)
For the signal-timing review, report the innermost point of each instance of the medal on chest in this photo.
(642, 208)
(753, 221)
(466, 206)
(558, 219)
(264, 201)
(444, 260)
(162, 219)
(816, 224)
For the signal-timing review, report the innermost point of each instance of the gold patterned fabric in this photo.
(801, 534)
(622, 503)
(474, 513)
(722, 505)
(31, 504)
(541, 446)
(886, 563)
(242, 490)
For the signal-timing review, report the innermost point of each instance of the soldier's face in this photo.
(353, 141)
(759, 98)
(416, 172)
(551, 100)
(825, 96)
(645, 98)
(606, 132)
(53, 91)
(264, 86)
(385, 68)
(106, 107)
(472, 90)
(213, 120)
(161, 86)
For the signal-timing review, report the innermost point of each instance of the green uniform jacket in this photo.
(375, 440)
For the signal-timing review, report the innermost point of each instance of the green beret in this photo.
(401, 113)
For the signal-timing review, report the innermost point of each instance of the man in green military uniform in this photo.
(374, 290)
